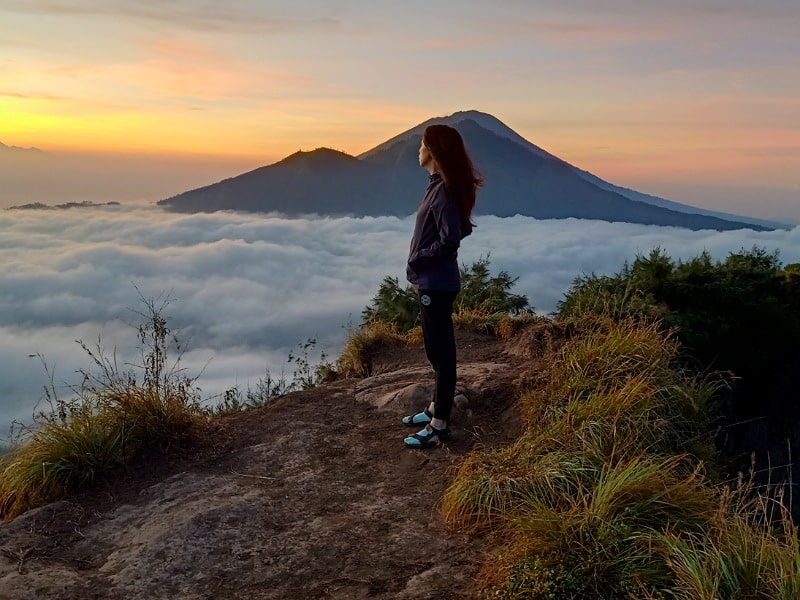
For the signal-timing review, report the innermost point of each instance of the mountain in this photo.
(17, 150)
(521, 179)
(493, 124)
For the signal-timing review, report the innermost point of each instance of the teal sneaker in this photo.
(427, 437)
(422, 418)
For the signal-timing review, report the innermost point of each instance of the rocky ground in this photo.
(313, 496)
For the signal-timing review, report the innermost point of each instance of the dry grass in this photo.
(58, 458)
(355, 359)
(748, 551)
(95, 435)
(361, 345)
(601, 495)
(510, 325)
(109, 421)
(478, 320)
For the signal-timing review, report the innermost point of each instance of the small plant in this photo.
(266, 389)
(306, 375)
(156, 398)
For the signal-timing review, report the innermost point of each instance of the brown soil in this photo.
(313, 496)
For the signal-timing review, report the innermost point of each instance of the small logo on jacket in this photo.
(425, 299)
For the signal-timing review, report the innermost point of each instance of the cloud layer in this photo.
(245, 289)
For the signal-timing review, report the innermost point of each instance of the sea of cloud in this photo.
(245, 290)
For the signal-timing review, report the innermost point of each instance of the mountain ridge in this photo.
(521, 179)
(493, 124)
(20, 149)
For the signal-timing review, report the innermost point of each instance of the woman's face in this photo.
(425, 156)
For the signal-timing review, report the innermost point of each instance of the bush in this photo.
(393, 305)
(481, 295)
(491, 295)
(739, 315)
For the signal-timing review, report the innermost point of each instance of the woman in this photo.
(443, 220)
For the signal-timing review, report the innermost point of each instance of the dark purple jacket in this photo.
(433, 256)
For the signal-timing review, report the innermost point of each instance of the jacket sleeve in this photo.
(448, 224)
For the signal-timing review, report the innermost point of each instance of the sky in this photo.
(697, 101)
(245, 290)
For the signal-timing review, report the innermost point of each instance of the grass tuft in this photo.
(361, 345)
(61, 457)
(114, 416)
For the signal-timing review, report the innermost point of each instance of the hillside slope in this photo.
(313, 496)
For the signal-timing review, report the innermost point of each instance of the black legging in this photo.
(436, 313)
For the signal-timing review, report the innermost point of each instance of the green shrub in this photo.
(480, 291)
(741, 314)
(481, 294)
(394, 305)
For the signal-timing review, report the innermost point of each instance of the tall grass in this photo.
(61, 456)
(114, 415)
(606, 493)
(507, 326)
(748, 551)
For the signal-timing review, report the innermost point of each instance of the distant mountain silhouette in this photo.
(521, 179)
(18, 150)
(64, 206)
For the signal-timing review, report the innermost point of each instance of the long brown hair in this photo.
(458, 172)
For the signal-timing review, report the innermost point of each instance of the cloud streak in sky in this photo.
(246, 289)
(234, 17)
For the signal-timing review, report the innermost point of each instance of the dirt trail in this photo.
(313, 496)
